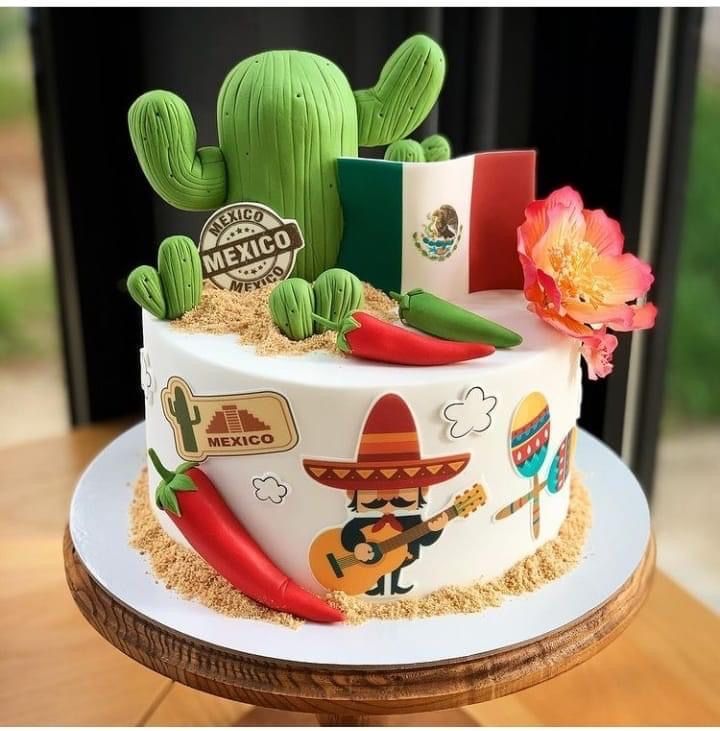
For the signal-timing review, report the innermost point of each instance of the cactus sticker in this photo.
(177, 408)
(245, 246)
(235, 424)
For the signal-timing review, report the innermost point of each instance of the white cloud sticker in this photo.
(269, 488)
(471, 415)
(147, 382)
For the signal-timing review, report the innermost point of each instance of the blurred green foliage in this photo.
(693, 381)
(16, 89)
(27, 312)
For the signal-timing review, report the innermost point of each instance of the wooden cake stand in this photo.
(286, 669)
(352, 695)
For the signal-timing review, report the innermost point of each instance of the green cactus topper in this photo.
(174, 288)
(291, 306)
(178, 409)
(145, 288)
(181, 275)
(338, 293)
(405, 151)
(432, 149)
(284, 117)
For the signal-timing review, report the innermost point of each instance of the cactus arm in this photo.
(195, 420)
(405, 151)
(144, 286)
(436, 148)
(164, 138)
(170, 408)
(406, 91)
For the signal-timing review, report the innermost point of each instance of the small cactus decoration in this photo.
(145, 288)
(174, 288)
(436, 148)
(432, 149)
(337, 294)
(178, 408)
(284, 117)
(291, 307)
(181, 275)
(405, 151)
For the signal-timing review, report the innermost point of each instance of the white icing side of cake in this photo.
(330, 396)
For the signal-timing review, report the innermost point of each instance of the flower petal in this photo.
(618, 316)
(642, 317)
(533, 228)
(565, 196)
(597, 351)
(603, 232)
(532, 290)
(565, 324)
(550, 290)
(627, 277)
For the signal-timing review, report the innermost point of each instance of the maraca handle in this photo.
(514, 506)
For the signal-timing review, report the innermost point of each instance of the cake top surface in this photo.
(330, 367)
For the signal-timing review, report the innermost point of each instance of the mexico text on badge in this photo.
(245, 246)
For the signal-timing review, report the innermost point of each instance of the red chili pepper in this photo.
(196, 507)
(365, 336)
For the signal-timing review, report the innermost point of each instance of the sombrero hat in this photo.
(388, 456)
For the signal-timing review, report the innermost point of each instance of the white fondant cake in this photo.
(294, 430)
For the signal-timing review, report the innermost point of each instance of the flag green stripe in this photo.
(371, 192)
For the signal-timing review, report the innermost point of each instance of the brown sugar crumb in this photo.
(247, 315)
(186, 573)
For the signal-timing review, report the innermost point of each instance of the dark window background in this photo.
(580, 85)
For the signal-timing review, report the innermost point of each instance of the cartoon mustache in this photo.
(396, 502)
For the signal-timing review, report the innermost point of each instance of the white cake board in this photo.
(618, 538)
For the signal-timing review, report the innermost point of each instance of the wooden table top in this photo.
(55, 669)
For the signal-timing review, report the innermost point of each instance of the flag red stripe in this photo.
(503, 186)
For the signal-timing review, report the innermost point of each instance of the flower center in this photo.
(572, 262)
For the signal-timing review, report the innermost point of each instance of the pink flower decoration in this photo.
(577, 278)
(597, 351)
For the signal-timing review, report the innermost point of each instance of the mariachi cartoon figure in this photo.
(389, 475)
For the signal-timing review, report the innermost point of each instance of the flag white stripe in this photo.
(427, 187)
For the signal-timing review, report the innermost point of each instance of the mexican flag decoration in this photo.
(448, 227)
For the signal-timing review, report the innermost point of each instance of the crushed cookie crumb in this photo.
(247, 315)
(183, 571)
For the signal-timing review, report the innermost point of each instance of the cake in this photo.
(376, 389)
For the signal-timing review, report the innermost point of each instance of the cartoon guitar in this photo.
(335, 568)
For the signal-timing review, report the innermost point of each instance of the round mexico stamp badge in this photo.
(245, 246)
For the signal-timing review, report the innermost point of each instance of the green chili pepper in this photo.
(436, 316)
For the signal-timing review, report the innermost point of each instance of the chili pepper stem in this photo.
(329, 324)
(166, 474)
(342, 328)
(403, 300)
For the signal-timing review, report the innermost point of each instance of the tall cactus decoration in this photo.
(284, 117)
(180, 412)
